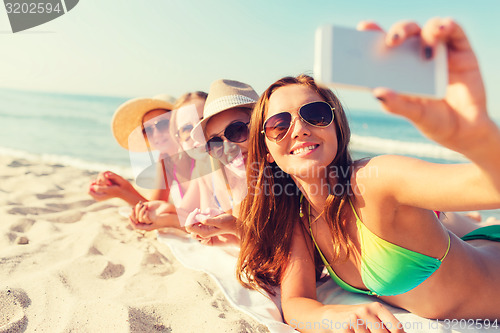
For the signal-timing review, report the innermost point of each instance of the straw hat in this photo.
(128, 117)
(224, 95)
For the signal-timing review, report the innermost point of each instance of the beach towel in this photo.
(220, 264)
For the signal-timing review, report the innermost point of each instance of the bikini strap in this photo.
(192, 168)
(448, 249)
(354, 210)
(301, 213)
(212, 175)
(311, 232)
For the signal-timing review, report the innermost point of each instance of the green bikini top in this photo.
(387, 269)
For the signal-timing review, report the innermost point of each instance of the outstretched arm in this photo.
(459, 121)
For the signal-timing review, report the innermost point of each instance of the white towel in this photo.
(221, 266)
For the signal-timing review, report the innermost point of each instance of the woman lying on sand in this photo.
(371, 222)
(153, 117)
(224, 129)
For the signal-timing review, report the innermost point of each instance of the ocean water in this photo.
(375, 133)
(66, 129)
(75, 130)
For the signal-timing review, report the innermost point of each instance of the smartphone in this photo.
(348, 58)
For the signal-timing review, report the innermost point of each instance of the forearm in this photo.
(132, 197)
(170, 221)
(442, 187)
(485, 153)
(160, 194)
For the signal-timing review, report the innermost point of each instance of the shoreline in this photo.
(65, 161)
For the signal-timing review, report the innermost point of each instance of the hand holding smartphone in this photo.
(348, 58)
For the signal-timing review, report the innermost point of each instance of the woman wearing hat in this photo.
(224, 128)
(144, 124)
(223, 131)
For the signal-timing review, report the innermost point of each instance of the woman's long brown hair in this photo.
(271, 208)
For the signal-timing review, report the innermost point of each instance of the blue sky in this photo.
(141, 48)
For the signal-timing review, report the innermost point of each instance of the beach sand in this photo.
(69, 263)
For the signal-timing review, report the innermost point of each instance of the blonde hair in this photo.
(188, 97)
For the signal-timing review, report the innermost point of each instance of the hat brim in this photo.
(128, 118)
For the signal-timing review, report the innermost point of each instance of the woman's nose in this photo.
(299, 128)
(229, 147)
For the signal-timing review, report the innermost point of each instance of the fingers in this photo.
(140, 214)
(205, 241)
(373, 318)
(202, 230)
(409, 107)
(142, 226)
(426, 114)
(99, 186)
(97, 196)
(398, 33)
(436, 30)
(97, 192)
(92, 186)
(137, 208)
(113, 178)
(133, 217)
(368, 25)
(143, 213)
(367, 324)
(445, 30)
(401, 31)
(392, 324)
(101, 179)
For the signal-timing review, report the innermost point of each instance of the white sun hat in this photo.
(224, 95)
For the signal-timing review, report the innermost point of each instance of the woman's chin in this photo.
(305, 169)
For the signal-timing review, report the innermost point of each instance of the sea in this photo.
(75, 130)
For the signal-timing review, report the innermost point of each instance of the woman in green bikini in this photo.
(371, 222)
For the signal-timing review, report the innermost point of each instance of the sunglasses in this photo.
(317, 114)
(185, 131)
(236, 132)
(161, 125)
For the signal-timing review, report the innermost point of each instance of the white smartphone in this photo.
(348, 58)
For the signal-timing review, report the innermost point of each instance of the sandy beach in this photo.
(69, 263)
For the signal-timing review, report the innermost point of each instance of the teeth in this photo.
(303, 149)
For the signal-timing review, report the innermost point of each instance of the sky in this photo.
(135, 48)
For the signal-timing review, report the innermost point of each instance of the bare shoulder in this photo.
(372, 169)
(384, 166)
(376, 179)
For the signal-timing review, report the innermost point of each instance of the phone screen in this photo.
(349, 58)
